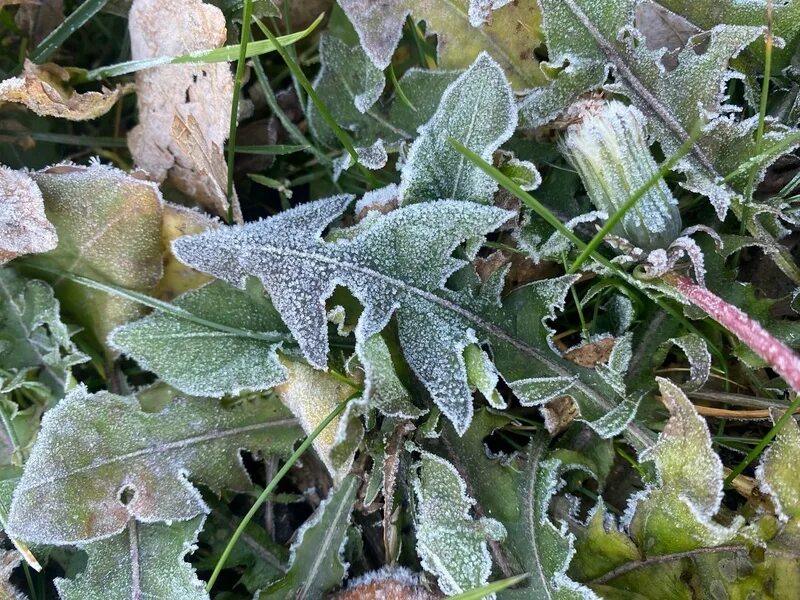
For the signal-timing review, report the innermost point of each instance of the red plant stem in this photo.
(777, 354)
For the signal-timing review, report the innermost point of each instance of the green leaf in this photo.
(311, 395)
(450, 543)
(677, 515)
(511, 36)
(586, 38)
(316, 563)
(206, 361)
(109, 229)
(478, 110)
(144, 561)
(351, 87)
(95, 450)
(778, 473)
(32, 335)
(397, 266)
(540, 548)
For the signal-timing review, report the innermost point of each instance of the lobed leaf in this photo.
(100, 460)
(144, 561)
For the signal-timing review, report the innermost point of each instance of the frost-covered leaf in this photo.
(24, 228)
(32, 335)
(351, 86)
(316, 562)
(450, 543)
(45, 90)
(109, 229)
(482, 374)
(9, 560)
(197, 96)
(232, 9)
(25, 425)
(177, 221)
(147, 560)
(539, 547)
(588, 38)
(232, 352)
(511, 36)
(312, 395)
(478, 110)
(372, 157)
(396, 266)
(779, 471)
(696, 350)
(95, 450)
(678, 515)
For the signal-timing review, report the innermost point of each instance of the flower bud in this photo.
(608, 147)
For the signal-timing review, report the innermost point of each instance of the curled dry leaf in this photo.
(387, 583)
(24, 228)
(44, 89)
(183, 109)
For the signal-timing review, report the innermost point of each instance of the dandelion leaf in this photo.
(450, 543)
(234, 352)
(316, 563)
(100, 460)
(144, 561)
(510, 34)
(478, 110)
(778, 470)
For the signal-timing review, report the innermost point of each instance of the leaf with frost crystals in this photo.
(233, 352)
(93, 448)
(147, 560)
(316, 564)
(778, 472)
(9, 560)
(200, 94)
(480, 11)
(312, 395)
(109, 229)
(591, 37)
(44, 89)
(451, 545)
(351, 86)
(395, 266)
(32, 335)
(511, 36)
(539, 547)
(478, 110)
(24, 228)
(677, 515)
(696, 350)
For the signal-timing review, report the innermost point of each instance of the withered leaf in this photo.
(45, 90)
(198, 97)
(24, 228)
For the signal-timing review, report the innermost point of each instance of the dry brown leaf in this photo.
(44, 90)
(559, 414)
(24, 228)
(198, 96)
(389, 583)
(593, 354)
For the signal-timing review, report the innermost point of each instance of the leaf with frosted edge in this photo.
(397, 266)
(539, 547)
(451, 545)
(677, 515)
(778, 473)
(32, 334)
(147, 560)
(204, 361)
(372, 157)
(613, 372)
(316, 563)
(511, 36)
(481, 373)
(92, 448)
(696, 351)
(9, 560)
(591, 37)
(24, 228)
(311, 395)
(109, 229)
(480, 11)
(478, 110)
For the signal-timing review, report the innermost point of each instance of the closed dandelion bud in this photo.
(608, 147)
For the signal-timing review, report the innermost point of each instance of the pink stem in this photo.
(777, 354)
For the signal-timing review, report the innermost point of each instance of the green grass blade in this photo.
(70, 25)
(247, 15)
(490, 588)
(270, 487)
(279, 149)
(224, 54)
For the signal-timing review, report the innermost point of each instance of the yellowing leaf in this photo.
(24, 228)
(44, 90)
(198, 97)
